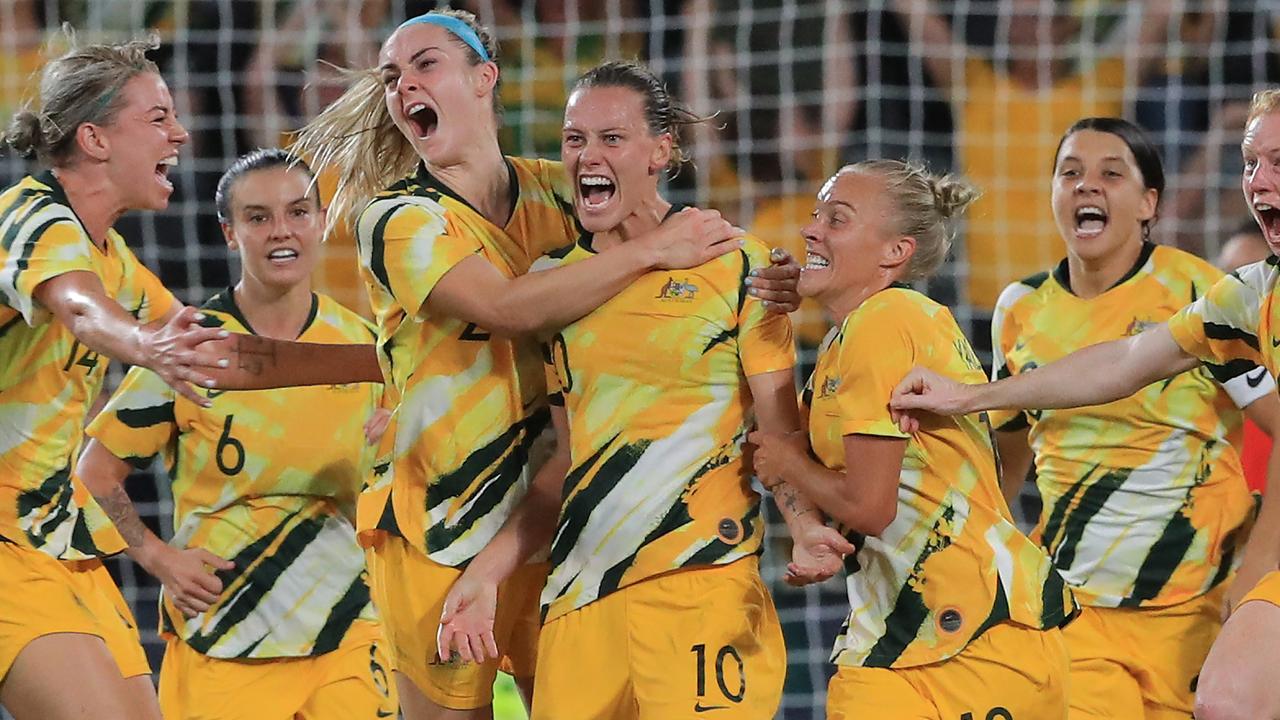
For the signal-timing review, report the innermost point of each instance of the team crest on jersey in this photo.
(679, 290)
(830, 386)
(1139, 325)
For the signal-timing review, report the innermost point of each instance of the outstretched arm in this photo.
(1094, 375)
(188, 582)
(258, 363)
(174, 348)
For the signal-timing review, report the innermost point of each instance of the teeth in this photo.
(1263, 207)
(1090, 211)
(415, 108)
(813, 260)
(171, 161)
(595, 180)
(282, 254)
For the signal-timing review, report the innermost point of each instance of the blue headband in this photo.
(460, 29)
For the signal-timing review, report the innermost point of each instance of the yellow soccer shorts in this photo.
(703, 642)
(1009, 672)
(409, 591)
(352, 681)
(40, 595)
(1267, 590)
(1141, 662)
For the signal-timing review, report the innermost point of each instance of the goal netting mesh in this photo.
(981, 88)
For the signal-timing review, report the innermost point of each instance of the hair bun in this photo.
(25, 134)
(953, 195)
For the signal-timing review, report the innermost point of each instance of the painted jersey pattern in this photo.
(468, 404)
(952, 563)
(1144, 498)
(48, 379)
(654, 386)
(267, 479)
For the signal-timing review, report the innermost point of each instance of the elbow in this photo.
(1212, 705)
(867, 519)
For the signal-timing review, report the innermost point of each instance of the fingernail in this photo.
(742, 242)
(208, 383)
(223, 363)
(224, 333)
(748, 281)
(199, 316)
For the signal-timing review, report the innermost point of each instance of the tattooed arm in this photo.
(186, 574)
(818, 551)
(259, 363)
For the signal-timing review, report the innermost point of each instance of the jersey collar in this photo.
(1062, 273)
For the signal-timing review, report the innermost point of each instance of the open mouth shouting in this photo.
(162, 171)
(1091, 220)
(423, 119)
(814, 261)
(281, 257)
(596, 191)
(1269, 219)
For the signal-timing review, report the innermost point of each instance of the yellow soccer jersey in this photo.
(952, 563)
(267, 479)
(469, 404)
(654, 384)
(1144, 498)
(1236, 321)
(48, 379)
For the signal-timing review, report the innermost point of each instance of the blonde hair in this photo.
(1264, 102)
(83, 85)
(356, 136)
(926, 207)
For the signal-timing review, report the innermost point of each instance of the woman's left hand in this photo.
(776, 284)
(775, 453)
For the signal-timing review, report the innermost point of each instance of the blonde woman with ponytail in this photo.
(954, 613)
(447, 227)
(73, 297)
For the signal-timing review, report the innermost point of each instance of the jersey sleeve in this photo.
(1004, 334)
(407, 247)
(765, 342)
(1221, 330)
(138, 422)
(555, 386)
(876, 353)
(47, 244)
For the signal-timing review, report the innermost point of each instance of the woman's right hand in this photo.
(692, 237)
(925, 391)
(466, 623)
(187, 575)
(176, 349)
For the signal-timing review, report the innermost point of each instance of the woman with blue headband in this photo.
(447, 229)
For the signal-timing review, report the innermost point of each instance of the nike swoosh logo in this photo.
(384, 713)
(1256, 379)
(699, 707)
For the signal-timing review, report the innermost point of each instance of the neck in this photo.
(481, 179)
(274, 312)
(1091, 277)
(93, 198)
(646, 217)
(851, 298)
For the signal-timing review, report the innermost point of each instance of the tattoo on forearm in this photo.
(120, 509)
(254, 355)
(789, 501)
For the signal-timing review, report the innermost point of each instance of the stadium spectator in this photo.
(1011, 107)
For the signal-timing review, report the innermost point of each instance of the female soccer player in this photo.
(265, 603)
(72, 297)
(444, 248)
(1232, 323)
(654, 606)
(955, 613)
(1145, 506)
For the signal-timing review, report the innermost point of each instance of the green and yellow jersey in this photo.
(267, 479)
(48, 379)
(1144, 498)
(1236, 322)
(468, 404)
(952, 563)
(654, 383)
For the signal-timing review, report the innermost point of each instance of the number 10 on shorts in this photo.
(726, 664)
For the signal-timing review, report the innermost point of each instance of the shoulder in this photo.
(220, 311)
(1016, 292)
(418, 211)
(894, 309)
(31, 206)
(1173, 266)
(348, 323)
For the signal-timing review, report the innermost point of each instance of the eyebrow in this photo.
(1117, 158)
(415, 56)
(304, 198)
(841, 202)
